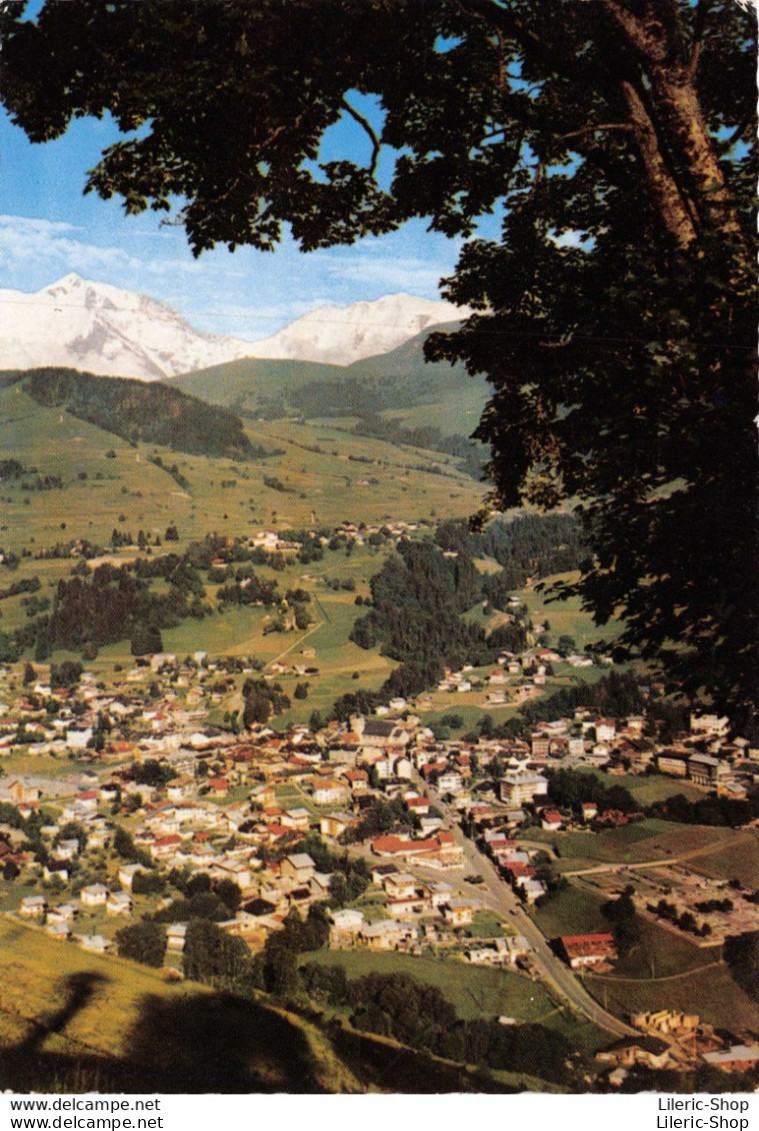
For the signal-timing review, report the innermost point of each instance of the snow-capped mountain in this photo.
(339, 335)
(106, 330)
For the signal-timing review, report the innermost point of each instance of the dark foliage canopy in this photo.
(212, 956)
(144, 942)
(614, 318)
(742, 956)
(418, 1015)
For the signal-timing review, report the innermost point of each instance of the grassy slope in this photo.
(651, 839)
(647, 788)
(226, 384)
(565, 617)
(739, 860)
(234, 381)
(58, 444)
(576, 910)
(324, 486)
(239, 631)
(103, 1022)
(76, 1022)
(711, 993)
(446, 397)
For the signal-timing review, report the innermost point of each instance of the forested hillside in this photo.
(531, 546)
(136, 410)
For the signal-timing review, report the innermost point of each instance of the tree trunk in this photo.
(666, 195)
(681, 142)
(688, 139)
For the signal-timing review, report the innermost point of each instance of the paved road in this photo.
(501, 899)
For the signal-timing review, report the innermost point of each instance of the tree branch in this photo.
(630, 26)
(654, 36)
(368, 129)
(506, 22)
(692, 67)
(726, 145)
(592, 129)
(699, 28)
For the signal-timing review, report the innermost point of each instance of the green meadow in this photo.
(639, 842)
(565, 617)
(474, 991)
(664, 971)
(322, 480)
(709, 991)
(660, 954)
(71, 1021)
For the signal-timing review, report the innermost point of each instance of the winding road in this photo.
(501, 899)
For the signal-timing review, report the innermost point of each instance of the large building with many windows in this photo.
(522, 786)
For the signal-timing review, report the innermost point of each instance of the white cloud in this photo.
(34, 225)
(390, 274)
(386, 265)
(32, 242)
(27, 244)
(247, 294)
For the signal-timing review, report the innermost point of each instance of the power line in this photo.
(535, 335)
(335, 321)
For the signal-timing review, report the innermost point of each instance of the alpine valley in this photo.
(300, 775)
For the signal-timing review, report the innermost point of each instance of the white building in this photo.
(520, 786)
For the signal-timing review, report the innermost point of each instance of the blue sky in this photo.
(48, 229)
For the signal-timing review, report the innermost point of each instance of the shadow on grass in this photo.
(197, 1043)
(193, 1043)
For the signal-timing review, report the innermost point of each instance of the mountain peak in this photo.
(68, 283)
(106, 330)
(340, 335)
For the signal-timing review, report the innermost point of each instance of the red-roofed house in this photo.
(441, 846)
(275, 832)
(551, 819)
(164, 846)
(430, 768)
(588, 950)
(88, 800)
(515, 871)
(358, 780)
(390, 845)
